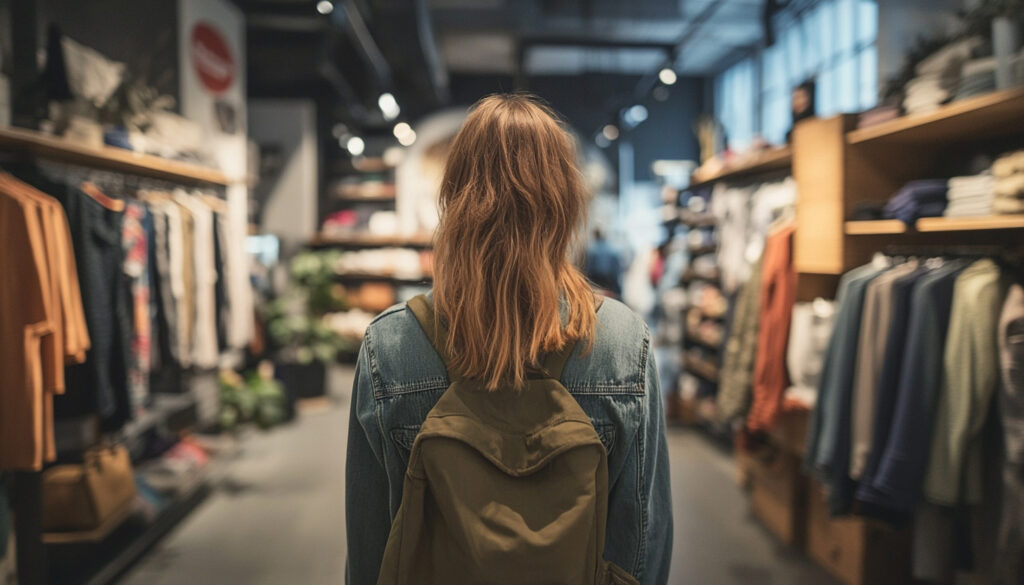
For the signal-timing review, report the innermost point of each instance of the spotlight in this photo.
(400, 129)
(355, 146)
(325, 6)
(408, 138)
(635, 115)
(667, 76)
(610, 132)
(388, 106)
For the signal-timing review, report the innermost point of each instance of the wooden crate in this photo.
(778, 495)
(856, 550)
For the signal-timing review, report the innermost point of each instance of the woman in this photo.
(512, 204)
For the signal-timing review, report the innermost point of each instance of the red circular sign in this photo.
(212, 58)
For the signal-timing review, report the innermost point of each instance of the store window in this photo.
(833, 42)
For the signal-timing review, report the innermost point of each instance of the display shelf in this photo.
(996, 114)
(702, 250)
(701, 369)
(956, 224)
(372, 241)
(371, 164)
(880, 226)
(774, 159)
(937, 224)
(110, 554)
(689, 277)
(385, 198)
(697, 220)
(361, 277)
(96, 535)
(38, 145)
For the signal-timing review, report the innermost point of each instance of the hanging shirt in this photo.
(737, 372)
(204, 324)
(26, 317)
(100, 385)
(136, 268)
(970, 379)
(837, 373)
(875, 322)
(777, 295)
(1010, 560)
(892, 363)
(897, 481)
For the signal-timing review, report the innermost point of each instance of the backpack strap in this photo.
(555, 361)
(436, 331)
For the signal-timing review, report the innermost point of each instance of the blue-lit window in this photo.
(833, 43)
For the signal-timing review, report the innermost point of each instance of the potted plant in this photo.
(301, 342)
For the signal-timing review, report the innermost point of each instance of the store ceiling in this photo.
(410, 47)
(570, 37)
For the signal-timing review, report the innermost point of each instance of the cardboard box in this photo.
(856, 550)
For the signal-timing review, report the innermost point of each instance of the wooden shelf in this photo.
(995, 114)
(46, 147)
(936, 224)
(956, 224)
(880, 226)
(774, 159)
(372, 241)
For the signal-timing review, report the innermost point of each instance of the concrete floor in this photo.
(279, 518)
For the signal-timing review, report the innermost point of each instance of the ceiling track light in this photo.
(667, 76)
(388, 106)
(325, 7)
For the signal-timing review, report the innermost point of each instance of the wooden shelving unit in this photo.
(372, 241)
(37, 145)
(994, 114)
(839, 167)
(775, 159)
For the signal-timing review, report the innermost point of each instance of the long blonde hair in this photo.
(512, 202)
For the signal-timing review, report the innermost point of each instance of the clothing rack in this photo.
(107, 167)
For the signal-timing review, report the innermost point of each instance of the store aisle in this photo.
(279, 518)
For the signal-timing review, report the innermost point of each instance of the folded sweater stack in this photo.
(1008, 171)
(917, 199)
(970, 196)
(938, 77)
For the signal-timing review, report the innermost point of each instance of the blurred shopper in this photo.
(509, 312)
(603, 266)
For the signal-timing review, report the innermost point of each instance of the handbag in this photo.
(83, 496)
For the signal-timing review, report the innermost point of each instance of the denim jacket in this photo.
(399, 378)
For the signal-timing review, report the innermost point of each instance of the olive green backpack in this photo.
(503, 487)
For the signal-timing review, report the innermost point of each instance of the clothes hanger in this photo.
(106, 201)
